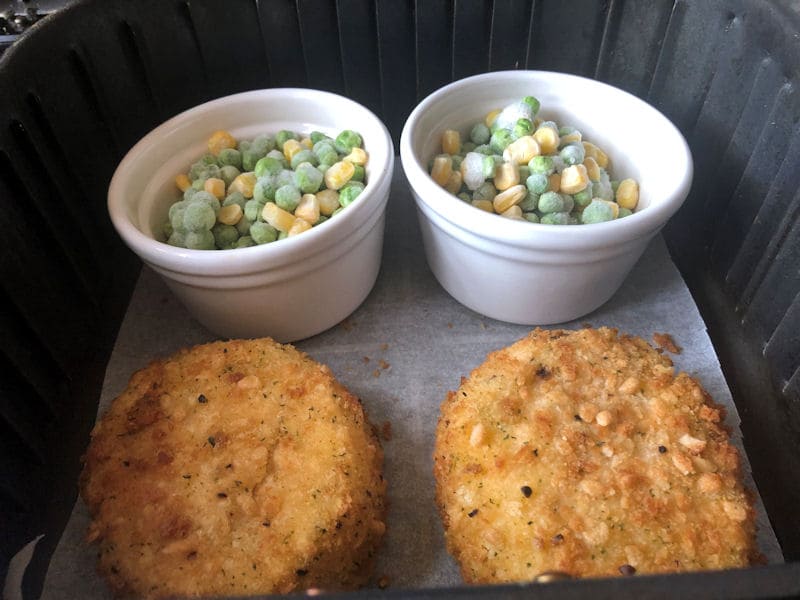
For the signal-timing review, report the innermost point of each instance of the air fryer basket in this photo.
(82, 85)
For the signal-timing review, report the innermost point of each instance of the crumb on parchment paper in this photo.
(665, 341)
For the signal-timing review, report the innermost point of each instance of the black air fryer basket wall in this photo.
(81, 86)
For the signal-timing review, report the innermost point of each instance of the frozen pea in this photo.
(209, 199)
(200, 240)
(252, 210)
(199, 184)
(558, 163)
(530, 202)
(484, 149)
(541, 164)
(263, 233)
(602, 189)
(555, 218)
(624, 212)
(346, 141)
(245, 242)
(456, 160)
(198, 216)
(468, 147)
(264, 189)
(224, 235)
(202, 170)
(488, 167)
(522, 127)
(177, 207)
(359, 173)
(566, 130)
(530, 216)
(486, 191)
(283, 136)
(244, 145)
(250, 158)
(337, 211)
(167, 229)
(285, 177)
(262, 144)
(235, 198)
(230, 157)
(177, 238)
(464, 196)
(598, 211)
(282, 235)
(304, 156)
(268, 165)
(533, 103)
(287, 197)
(500, 139)
(480, 134)
(572, 154)
(537, 183)
(318, 136)
(278, 155)
(228, 173)
(327, 155)
(569, 203)
(243, 226)
(509, 116)
(189, 193)
(209, 159)
(349, 192)
(307, 178)
(322, 219)
(614, 185)
(551, 202)
(583, 197)
(524, 172)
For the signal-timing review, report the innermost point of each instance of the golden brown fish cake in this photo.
(236, 467)
(582, 452)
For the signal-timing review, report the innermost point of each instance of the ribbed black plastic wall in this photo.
(84, 84)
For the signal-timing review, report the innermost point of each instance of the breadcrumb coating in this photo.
(237, 467)
(583, 452)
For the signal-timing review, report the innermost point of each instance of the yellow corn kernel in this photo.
(575, 136)
(453, 184)
(308, 208)
(521, 150)
(328, 201)
(574, 179)
(230, 215)
(338, 174)
(280, 219)
(491, 117)
(506, 175)
(592, 168)
(508, 198)
(357, 156)
(628, 194)
(451, 142)
(306, 143)
(512, 212)
(182, 181)
(548, 139)
(298, 227)
(290, 148)
(594, 152)
(484, 205)
(555, 182)
(442, 167)
(219, 141)
(215, 187)
(244, 183)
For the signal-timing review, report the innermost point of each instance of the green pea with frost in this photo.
(264, 189)
(178, 239)
(278, 155)
(598, 211)
(262, 144)
(346, 141)
(624, 212)
(542, 164)
(268, 165)
(537, 183)
(484, 149)
(573, 154)
(551, 202)
(235, 198)
(467, 147)
(583, 197)
(318, 136)
(285, 177)
(500, 139)
(250, 158)
(245, 242)
(228, 173)
(198, 216)
(530, 202)
(283, 136)
(307, 178)
(304, 156)
(480, 134)
(465, 197)
(530, 216)
(555, 218)
(489, 166)
(200, 240)
(230, 157)
(243, 226)
(485, 191)
(252, 210)
(287, 197)
(224, 235)
(209, 199)
(522, 128)
(349, 192)
(359, 173)
(263, 233)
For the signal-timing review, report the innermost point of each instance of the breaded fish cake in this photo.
(582, 452)
(236, 467)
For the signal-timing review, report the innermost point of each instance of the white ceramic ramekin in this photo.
(529, 273)
(290, 289)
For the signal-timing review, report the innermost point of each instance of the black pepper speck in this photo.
(526, 491)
